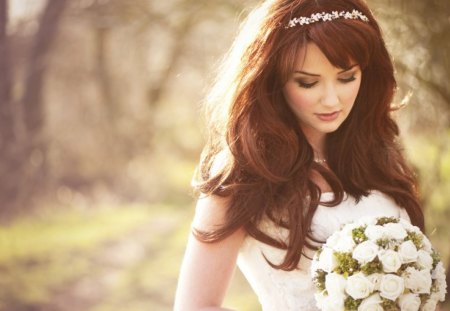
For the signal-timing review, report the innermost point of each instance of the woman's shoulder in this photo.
(210, 212)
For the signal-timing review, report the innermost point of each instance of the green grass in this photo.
(41, 254)
(65, 231)
(150, 284)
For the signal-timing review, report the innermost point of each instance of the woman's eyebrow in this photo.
(307, 73)
(317, 75)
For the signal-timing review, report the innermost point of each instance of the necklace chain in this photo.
(320, 161)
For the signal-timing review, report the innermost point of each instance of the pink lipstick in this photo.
(328, 116)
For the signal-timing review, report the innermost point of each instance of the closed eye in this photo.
(306, 85)
(347, 80)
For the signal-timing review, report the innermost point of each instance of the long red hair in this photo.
(257, 155)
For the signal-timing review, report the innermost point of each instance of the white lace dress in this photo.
(280, 290)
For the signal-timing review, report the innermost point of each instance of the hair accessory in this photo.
(317, 17)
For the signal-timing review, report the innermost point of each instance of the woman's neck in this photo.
(317, 142)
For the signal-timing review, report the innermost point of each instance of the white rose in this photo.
(365, 252)
(371, 303)
(335, 284)
(415, 229)
(426, 244)
(406, 224)
(407, 252)
(348, 228)
(369, 220)
(441, 290)
(345, 243)
(332, 303)
(358, 286)
(425, 282)
(419, 282)
(333, 240)
(424, 260)
(319, 298)
(438, 272)
(327, 260)
(430, 305)
(374, 232)
(395, 231)
(409, 302)
(375, 278)
(315, 265)
(391, 286)
(390, 260)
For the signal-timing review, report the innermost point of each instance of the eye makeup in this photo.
(309, 80)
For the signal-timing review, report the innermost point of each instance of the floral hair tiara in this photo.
(317, 17)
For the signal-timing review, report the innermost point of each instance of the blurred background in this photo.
(101, 130)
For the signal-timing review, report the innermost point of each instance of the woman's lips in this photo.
(328, 116)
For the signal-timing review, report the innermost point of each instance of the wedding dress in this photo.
(279, 290)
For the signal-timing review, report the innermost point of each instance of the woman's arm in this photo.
(207, 268)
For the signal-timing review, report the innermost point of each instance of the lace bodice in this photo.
(293, 290)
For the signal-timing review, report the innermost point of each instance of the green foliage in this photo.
(346, 264)
(404, 266)
(351, 304)
(386, 220)
(424, 298)
(436, 258)
(358, 234)
(383, 243)
(374, 266)
(319, 251)
(319, 279)
(389, 305)
(416, 238)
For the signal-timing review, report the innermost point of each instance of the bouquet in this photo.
(378, 264)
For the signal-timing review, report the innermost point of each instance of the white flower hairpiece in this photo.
(317, 17)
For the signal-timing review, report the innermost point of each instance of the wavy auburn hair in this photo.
(257, 155)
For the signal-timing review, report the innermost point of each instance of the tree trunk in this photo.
(9, 165)
(22, 161)
(111, 104)
(32, 100)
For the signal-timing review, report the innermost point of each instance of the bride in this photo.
(301, 141)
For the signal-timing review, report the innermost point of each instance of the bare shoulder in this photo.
(210, 212)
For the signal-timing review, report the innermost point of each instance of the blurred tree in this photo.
(141, 66)
(23, 142)
(8, 163)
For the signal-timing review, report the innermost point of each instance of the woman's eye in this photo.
(347, 80)
(306, 85)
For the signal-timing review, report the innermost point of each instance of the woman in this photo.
(301, 142)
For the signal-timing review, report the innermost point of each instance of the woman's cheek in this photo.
(353, 91)
(300, 100)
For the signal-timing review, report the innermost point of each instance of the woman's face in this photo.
(319, 94)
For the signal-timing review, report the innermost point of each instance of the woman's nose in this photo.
(330, 97)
